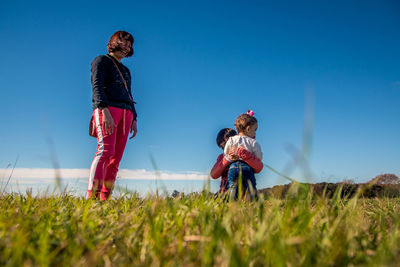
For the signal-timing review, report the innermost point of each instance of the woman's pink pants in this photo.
(110, 148)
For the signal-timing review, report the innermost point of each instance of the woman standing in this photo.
(114, 113)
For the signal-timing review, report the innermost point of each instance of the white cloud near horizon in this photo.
(141, 174)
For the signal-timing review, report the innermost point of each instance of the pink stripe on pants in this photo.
(110, 148)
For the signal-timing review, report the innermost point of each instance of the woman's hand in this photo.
(133, 129)
(232, 153)
(108, 121)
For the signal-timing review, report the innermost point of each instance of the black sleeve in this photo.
(99, 69)
(130, 86)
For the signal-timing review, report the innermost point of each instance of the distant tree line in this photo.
(384, 185)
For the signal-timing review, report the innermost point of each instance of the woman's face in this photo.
(125, 48)
(222, 145)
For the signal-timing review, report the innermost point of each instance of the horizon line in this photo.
(74, 173)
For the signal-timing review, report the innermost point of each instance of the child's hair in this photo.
(225, 134)
(244, 120)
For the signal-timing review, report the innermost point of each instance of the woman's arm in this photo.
(98, 77)
(99, 95)
(250, 159)
(219, 167)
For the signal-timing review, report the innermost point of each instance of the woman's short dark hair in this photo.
(115, 40)
(243, 121)
(225, 134)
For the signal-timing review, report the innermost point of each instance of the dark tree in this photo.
(347, 181)
(386, 179)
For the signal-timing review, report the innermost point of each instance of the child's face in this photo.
(251, 130)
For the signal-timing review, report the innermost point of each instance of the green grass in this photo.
(301, 230)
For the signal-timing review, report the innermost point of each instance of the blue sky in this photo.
(198, 65)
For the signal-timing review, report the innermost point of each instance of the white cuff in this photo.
(227, 158)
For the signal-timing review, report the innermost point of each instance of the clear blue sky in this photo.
(199, 64)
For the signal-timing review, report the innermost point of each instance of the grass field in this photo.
(197, 230)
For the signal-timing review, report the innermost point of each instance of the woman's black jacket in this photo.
(108, 86)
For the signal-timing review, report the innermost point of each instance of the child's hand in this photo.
(232, 153)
